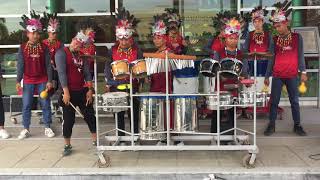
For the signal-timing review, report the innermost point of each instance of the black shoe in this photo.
(270, 130)
(67, 150)
(299, 130)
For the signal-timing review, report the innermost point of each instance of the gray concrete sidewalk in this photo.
(284, 152)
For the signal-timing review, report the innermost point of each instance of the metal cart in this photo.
(240, 138)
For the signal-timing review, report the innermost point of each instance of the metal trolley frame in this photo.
(239, 142)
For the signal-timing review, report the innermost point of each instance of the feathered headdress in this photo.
(172, 17)
(87, 27)
(159, 27)
(232, 26)
(281, 13)
(81, 38)
(258, 12)
(32, 24)
(218, 21)
(126, 24)
(51, 22)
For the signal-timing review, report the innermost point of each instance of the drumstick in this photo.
(76, 109)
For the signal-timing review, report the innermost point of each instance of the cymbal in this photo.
(96, 58)
(258, 55)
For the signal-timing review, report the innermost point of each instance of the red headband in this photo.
(231, 35)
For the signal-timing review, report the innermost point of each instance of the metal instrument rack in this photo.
(240, 142)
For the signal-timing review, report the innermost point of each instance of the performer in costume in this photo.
(124, 49)
(35, 68)
(87, 27)
(175, 40)
(74, 73)
(258, 41)
(216, 44)
(231, 35)
(52, 43)
(158, 80)
(160, 41)
(186, 76)
(284, 68)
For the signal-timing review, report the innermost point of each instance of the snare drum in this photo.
(115, 99)
(225, 99)
(185, 114)
(120, 69)
(152, 117)
(231, 68)
(247, 98)
(209, 67)
(139, 68)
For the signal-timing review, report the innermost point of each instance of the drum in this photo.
(185, 114)
(139, 68)
(225, 99)
(152, 117)
(120, 69)
(231, 68)
(115, 99)
(209, 67)
(247, 98)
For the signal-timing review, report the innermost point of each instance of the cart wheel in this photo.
(246, 161)
(14, 120)
(105, 162)
(250, 116)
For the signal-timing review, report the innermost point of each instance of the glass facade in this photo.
(196, 14)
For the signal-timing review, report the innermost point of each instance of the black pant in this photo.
(121, 120)
(223, 125)
(55, 78)
(78, 98)
(1, 109)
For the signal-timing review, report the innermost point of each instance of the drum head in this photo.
(115, 94)
(209, 67)
(231, 68)
(136, 61)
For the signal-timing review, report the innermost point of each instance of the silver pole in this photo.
(218, 107)
(255, 102)
(167, 99)
(96, 99)
(131, 110)
(116, 119)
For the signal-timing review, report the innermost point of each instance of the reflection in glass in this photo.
(312, 86)
(198, 22)
(8, 59)
(254, 3)
(13, 7)
(72, 6)
(8, 86)
(10, 31)
(144, 10)
(104, 32)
